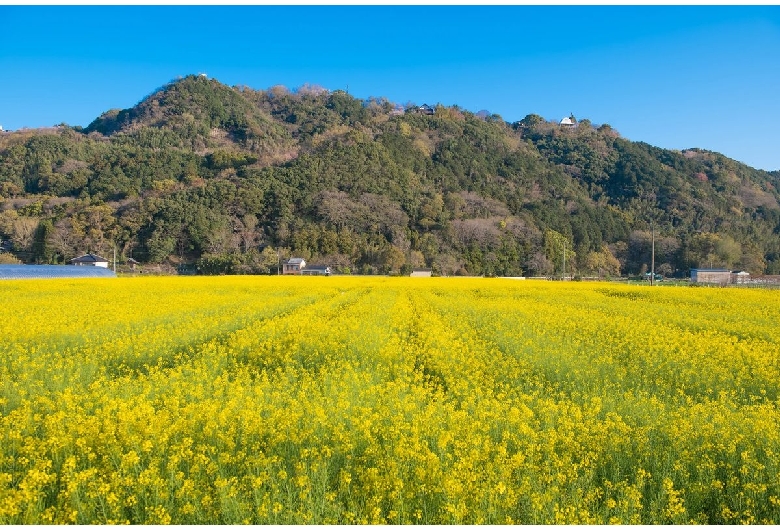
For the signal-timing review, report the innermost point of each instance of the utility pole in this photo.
(652, 255)
(564, 261)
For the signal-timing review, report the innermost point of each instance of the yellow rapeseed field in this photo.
(255, 400)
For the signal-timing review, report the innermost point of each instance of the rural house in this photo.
(90, 260)
(294, 266)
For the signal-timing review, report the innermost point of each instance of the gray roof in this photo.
(89, 258)
(295, 261)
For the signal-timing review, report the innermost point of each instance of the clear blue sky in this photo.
(673, 76)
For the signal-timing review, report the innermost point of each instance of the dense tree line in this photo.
(232, 180)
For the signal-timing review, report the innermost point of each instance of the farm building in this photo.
(719, 276)
(421, 273)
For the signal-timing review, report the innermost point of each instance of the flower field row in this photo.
(386, 400)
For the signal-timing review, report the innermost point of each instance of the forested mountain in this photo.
(231, 179)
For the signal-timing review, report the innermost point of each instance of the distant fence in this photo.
(762, 282)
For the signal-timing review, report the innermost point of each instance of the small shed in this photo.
(90, 260)
(293, 266)
(421, 273)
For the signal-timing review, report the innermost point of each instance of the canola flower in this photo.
(251, 400)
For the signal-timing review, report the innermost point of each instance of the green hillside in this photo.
(230, 178)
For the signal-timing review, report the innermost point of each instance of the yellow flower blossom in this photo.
(265, 400)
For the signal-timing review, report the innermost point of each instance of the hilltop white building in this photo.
(571, 121)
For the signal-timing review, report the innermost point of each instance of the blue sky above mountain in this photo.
(673, 76)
